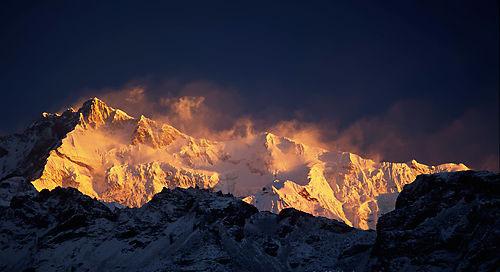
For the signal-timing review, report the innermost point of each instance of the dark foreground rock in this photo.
(179, 230)
(443, 222)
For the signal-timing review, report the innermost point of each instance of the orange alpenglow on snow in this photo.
(118, 158)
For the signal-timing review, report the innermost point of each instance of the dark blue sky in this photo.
(433, 64)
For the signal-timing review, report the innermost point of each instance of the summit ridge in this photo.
(107, 154)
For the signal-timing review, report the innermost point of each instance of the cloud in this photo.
(184, 106)
(304, 132)
(413, 130)
(408, 129)
(200, 108)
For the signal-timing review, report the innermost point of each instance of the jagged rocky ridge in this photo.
(442, 222)
(178, 230)
(109, 155)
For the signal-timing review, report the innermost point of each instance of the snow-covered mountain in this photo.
(107, 154)
(442, 222)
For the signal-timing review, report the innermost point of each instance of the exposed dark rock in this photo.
(271, 248)
(293, 215)
(445, 222)
(36, 142)
(3, 152)
(180, 229)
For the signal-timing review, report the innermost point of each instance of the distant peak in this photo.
(155, 134)
(415, 163)
(95, 112)
(93, 102)
(270, 139)
(144, 119)
(269, 135)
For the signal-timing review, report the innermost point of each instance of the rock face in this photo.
(178, 230)
(25, 155)
(109, 155)
(442, 222)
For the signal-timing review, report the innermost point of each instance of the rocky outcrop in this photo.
(442, 222)
(24, 154)
(156, 135)
(95, 113)
(178, 230)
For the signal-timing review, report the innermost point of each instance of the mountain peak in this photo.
(154, 134)
(270, 138)
(144, 120)
(94, 106)
(95, 113)
(115, 157)
(92, 102)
